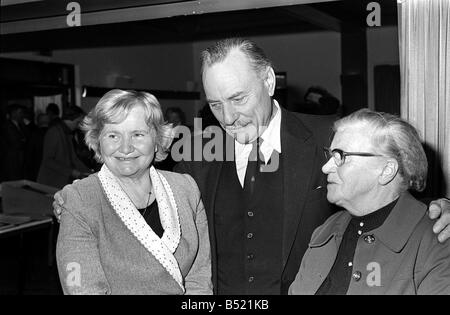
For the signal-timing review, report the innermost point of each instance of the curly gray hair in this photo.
(396, 138)
(114, 107)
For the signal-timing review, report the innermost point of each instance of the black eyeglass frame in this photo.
(330, 154)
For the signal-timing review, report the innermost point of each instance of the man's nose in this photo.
(229, 115)
(329, 167)
(126, 146)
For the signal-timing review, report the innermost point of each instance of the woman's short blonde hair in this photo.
(114, 107)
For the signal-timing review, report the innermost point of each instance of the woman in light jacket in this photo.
(131, 229)
(383, 243)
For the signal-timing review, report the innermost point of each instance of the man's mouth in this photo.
(233, 129)
(237, 128)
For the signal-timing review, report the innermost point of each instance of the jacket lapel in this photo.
(211, 182)
(162, 249)
(298, 152)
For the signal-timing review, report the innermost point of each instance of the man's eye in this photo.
(214, 105)
(112, 136)
(239, 100)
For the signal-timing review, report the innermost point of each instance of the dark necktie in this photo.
(252, 169)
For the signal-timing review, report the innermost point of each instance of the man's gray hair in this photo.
(220, 50)
(396, 138)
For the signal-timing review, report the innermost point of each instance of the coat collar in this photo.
(395, 231)
(162, 249)
(333, 228)
(402, 221)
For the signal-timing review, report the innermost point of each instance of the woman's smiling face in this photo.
(128, 147)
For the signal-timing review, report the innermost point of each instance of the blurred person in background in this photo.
(52, 112)
(33, 153)
(14, 143)
(60, 164)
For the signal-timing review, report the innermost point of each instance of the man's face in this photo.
(356, 181)
(239, 98)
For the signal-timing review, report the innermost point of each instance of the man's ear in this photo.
(270, 80)
(389, 172)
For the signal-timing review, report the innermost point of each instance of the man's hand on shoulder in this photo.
(58, 203)
(440, 209)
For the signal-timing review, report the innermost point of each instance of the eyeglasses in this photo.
(339, 156)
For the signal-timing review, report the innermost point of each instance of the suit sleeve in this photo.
(77, 253)
(183, 168)
(198, 280)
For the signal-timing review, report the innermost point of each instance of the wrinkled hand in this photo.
(441, 209)
(58, 203)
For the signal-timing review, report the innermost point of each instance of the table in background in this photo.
(20, 230)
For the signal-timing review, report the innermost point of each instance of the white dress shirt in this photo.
(271, 141)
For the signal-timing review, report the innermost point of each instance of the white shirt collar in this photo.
(271, 136)
(271, 141)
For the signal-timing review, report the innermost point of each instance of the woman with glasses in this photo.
(383, 243)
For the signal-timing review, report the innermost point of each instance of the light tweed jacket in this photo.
(97, 253)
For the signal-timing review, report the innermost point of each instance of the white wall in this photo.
(308, 58)
(382, 49)
(161, 66)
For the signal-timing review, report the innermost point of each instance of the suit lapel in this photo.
(211, 177)
(210, 183)
(298, 152)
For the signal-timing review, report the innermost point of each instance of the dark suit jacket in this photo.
(304, 196)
